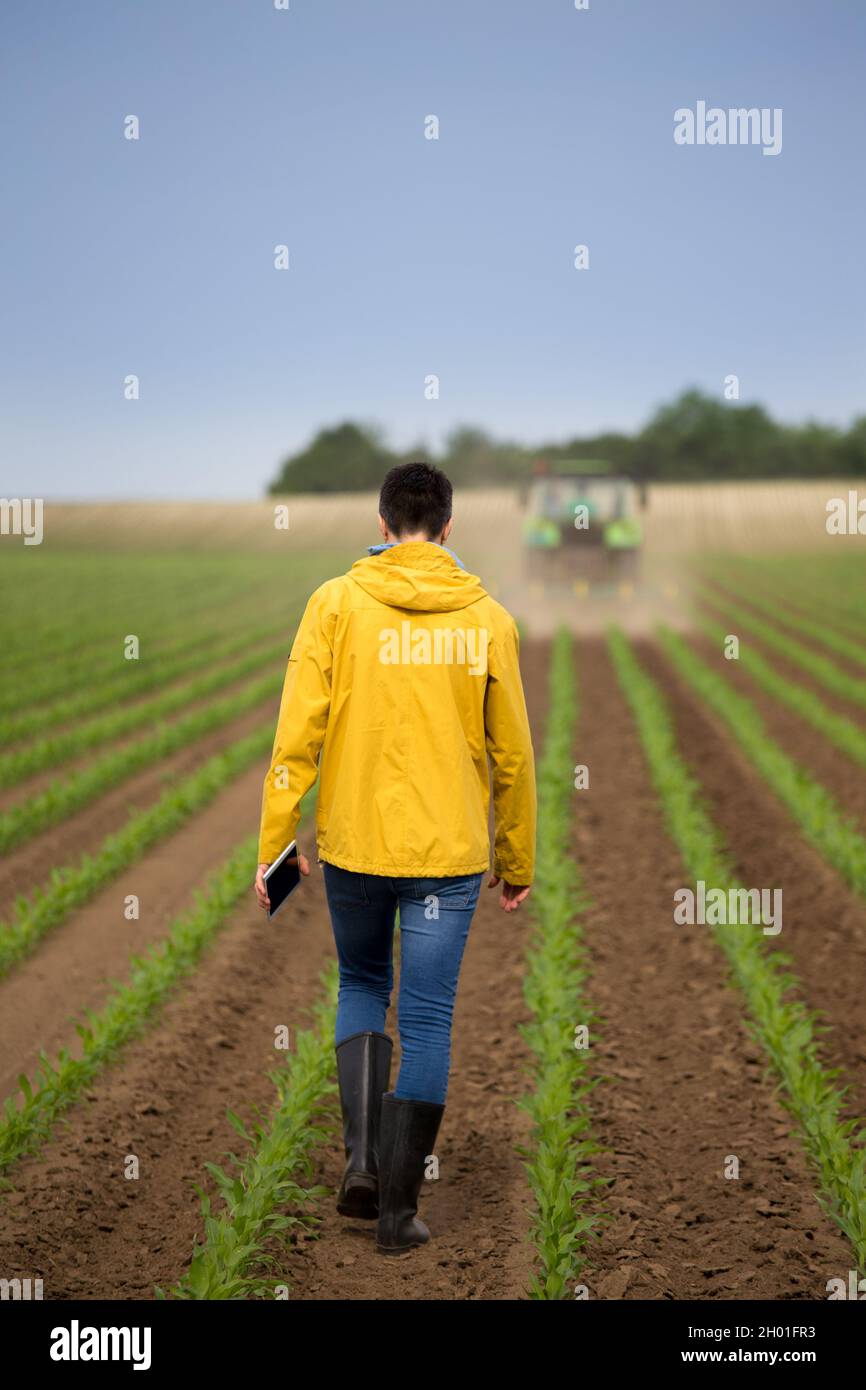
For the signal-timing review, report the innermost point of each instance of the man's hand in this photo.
(513, 894)
(262, 888)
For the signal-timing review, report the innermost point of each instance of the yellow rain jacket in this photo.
(404, 677)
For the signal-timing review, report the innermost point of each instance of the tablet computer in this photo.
(282, 878)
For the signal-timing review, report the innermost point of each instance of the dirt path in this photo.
(824, 924)
(687, 1084)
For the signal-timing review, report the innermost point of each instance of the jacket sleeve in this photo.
(509, 746)
(303, 718)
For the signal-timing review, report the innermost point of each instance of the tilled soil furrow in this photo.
(844, 779)
(687, 1087)
(33, 785)
(73, 967)
(74, 1219)
(28, 866)
(823, 923)
(791, 670)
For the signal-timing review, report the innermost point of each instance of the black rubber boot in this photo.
(406, 1139)
(364, 1073)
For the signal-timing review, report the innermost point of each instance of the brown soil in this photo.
(73, 1219)
(29, 865)
(795, 606)
(824, 924)
(73, 967)
(827, 764)
(796, 674)
(33, 785)
(687, 1086)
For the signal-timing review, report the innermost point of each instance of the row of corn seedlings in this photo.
(819, 667)
(561, 1144)
(258, 650)
(29, 1119)
(266, 1194)
(29, 817)
(71, 886)
(778, 1019)
(809, 802)
(845, 735)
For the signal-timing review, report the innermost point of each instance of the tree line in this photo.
(694, 437)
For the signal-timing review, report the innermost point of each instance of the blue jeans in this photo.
(435, 915)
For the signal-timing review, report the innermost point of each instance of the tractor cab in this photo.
(581, 522)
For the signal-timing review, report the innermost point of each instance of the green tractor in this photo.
(581, 522)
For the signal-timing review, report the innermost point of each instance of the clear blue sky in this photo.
(411, 256)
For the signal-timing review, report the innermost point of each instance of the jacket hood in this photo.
(419, 576)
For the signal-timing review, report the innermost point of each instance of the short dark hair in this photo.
(415, 497)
